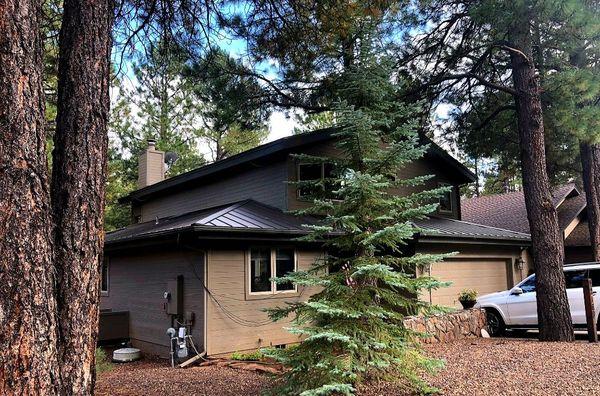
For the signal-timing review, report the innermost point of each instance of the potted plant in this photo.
(468, 298)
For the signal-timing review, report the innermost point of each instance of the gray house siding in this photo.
(267, 183)
(137, 282)
(264, 184)
(421, 167)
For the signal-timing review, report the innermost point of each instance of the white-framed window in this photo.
(266, 263)
(447, 200)
(104, 278)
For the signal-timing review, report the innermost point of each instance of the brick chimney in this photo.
(151, 168)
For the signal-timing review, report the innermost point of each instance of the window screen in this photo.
(260, 270)
(284, 262)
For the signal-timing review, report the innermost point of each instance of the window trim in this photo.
(452, 199)
(249, 271)
(273, 255)
(105, 261)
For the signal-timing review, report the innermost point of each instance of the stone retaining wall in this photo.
(448, 327)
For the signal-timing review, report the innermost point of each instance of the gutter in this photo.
(474, 240)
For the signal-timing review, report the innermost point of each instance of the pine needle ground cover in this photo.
(352, 328)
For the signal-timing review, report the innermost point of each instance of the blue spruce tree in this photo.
(352, 327)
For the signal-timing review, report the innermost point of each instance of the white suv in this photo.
(516, 308)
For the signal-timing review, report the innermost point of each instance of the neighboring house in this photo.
(206, 244)
(508, 211)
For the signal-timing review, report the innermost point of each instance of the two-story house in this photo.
(205, 245)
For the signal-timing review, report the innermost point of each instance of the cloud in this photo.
(280, 126)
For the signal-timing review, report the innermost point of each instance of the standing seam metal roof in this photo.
(248, 215)
(253, 217)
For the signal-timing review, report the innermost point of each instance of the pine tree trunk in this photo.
(78, 183)
(590, 162)
(28, 333)
(548, 251)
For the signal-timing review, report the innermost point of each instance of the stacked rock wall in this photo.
(448, 327)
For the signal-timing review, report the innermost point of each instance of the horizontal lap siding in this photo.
(420, 167)
(266, 184)
(227, 283)
(137, 283)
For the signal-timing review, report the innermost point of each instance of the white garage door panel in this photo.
(485, 276)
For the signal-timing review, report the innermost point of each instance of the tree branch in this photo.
(493, 115)
(481, 80)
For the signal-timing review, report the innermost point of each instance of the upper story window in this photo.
(313, 173)
(104, 278)
(447, 200)
(267, 263)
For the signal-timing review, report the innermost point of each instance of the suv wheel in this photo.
(495, 324)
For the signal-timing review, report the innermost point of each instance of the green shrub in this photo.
(467, 295)
(247, 357)
(103, 364)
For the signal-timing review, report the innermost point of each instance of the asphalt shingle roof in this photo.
(570, 209)
(444, 227)
(508, 210)
(580, 236)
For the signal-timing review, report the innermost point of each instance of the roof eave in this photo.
(473, 240)
(469, 176)
(272, 148)
(241, 233)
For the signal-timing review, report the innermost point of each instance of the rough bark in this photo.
(78, 183)
(547, 242)
(590, 162)
(28, 356)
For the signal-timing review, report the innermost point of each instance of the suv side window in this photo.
(574, 279)
(529, 285)
(595, 275)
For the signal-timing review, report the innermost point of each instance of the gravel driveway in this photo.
(473, 367)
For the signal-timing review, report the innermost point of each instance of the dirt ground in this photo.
(473, 367)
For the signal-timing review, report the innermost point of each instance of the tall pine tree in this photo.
(353, 327)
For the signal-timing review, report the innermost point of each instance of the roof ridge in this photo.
(561, 199)
(521, 192)
(286, 143)
(493, 195)
(222, 212)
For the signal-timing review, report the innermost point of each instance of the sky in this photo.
(280, 123)
(280, 126)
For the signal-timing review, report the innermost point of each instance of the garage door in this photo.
(485, 276)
